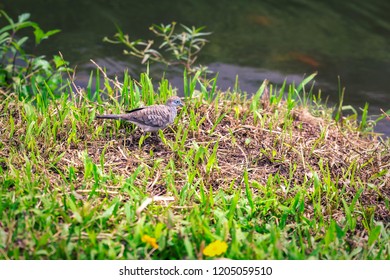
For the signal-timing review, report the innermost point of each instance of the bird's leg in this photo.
(133, 136)
(154, 135)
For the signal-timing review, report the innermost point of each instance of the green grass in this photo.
(262, 174)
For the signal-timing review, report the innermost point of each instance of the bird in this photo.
(150, 118)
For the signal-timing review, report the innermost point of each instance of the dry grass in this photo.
(279, 151)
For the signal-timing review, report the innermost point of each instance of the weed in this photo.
(179, 48)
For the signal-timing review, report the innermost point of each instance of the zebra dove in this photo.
(150, 118)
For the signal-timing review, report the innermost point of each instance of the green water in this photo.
(255, 40)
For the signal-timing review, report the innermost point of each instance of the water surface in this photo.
(255, 40)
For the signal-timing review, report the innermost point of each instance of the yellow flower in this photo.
(215, 248)
(150, 240)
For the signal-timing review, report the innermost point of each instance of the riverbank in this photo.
(271, 177)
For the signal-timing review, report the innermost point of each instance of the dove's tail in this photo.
(111, 117)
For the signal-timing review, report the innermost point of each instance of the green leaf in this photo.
(248, 191)
(75, 211)
(23, 17)
(108, 213)
(59, 61)
(305, 81)
(41, 35)
(7, 17)
(189, 248)
(232, 208)
(52, 32)
(374, 234)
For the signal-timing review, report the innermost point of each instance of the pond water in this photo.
(256, 40)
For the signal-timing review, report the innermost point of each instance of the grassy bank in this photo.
(272, 177)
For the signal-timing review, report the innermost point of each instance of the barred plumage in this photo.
(151, 118)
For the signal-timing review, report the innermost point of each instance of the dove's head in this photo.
(174, 101)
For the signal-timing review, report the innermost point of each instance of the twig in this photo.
(116, 82)
(150, 200)
(384, 113)
(154, 181)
